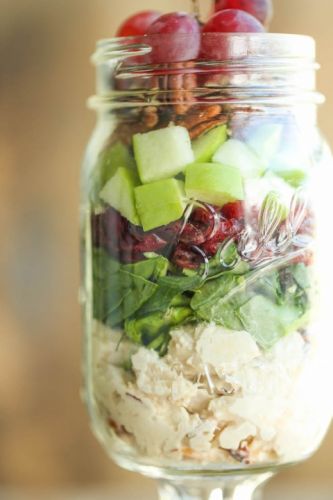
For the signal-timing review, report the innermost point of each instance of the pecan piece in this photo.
(200, 114)
(150, 116)
(207, 125)
(181, 85)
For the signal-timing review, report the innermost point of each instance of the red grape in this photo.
(261, 9)
(215, 47)
(233, 21)
(138, 24)
(172, 46)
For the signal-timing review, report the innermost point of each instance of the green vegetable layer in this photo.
(147, 300)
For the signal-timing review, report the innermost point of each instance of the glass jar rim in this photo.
(236, 45)
(259, 67)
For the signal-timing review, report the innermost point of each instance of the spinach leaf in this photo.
(169, 287)
(212, 291)
(120, 290)
(279, 306)
(228, 256)
(295, 281)
(301, 275)
(267, 321)
(181, 283)
(152, 331)
(152, 268)
(210, 302)
(268, 304)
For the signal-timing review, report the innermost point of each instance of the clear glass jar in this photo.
(206, 252)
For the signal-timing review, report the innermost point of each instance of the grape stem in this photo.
(196, 8)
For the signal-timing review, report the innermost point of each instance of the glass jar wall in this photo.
(206, 256)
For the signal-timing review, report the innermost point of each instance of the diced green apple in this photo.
(111, 159)
(295, 177)
(237, 154)
(160, 203)
(206, 145)
(163, 153)
(214, 183)
(265, 141)
(118, 192)
(292, 161)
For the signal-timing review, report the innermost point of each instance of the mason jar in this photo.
(205, 227)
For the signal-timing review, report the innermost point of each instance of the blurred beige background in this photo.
(45, 78)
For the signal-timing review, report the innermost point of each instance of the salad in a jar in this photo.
(203, 283)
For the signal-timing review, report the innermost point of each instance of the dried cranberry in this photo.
(107, 229)
(192, 234)
(233, 210)
(186, 257)
(200, 226)
(150, 243)
(121, 239)
(226, 229)
(170, 232)
(113, 222)
(204, 215)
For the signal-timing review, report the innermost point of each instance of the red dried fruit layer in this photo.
(121, 239)
(128, 243)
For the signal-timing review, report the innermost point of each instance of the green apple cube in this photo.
(292, 161)
(111, 159)
(265, 141)
(294, 178)
(160, 202)
(206, 145)
(118, 192)
(237, 154)
(163, 153)
(214, 183)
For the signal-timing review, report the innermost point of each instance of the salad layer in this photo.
(214, 398)
(203, 293)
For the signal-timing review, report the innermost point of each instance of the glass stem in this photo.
(237, 488)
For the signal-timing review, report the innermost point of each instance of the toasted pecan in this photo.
(206, 126)
(150, 116)
(181, 86)
(126, 130)
(199, 115)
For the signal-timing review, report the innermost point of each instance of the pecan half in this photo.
(199, 115)
(181, 85)
(206, 126)
(150, 116)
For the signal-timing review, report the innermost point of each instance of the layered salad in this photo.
(203, 337)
